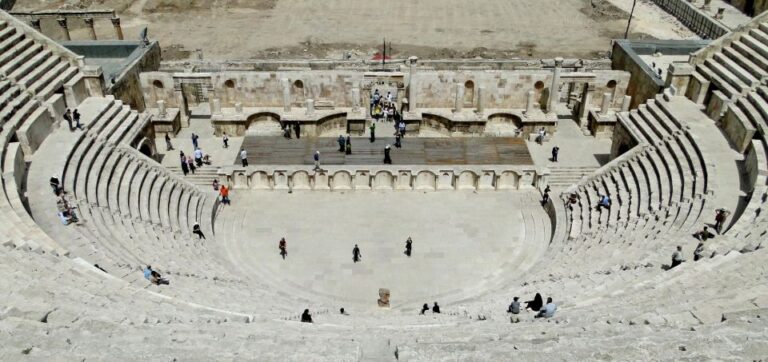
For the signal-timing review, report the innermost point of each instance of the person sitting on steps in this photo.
(306, 317)
(154, 277)
(704, 234)
(197, 231)
(548, 311)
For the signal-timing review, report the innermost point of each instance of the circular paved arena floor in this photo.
(463, 243)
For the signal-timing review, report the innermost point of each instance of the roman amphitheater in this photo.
(369, 124)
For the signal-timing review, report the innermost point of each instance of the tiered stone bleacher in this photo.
(658, 187)
(56, 305)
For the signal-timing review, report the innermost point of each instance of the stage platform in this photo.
(415, 151)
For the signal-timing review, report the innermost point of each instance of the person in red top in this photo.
(224, 192)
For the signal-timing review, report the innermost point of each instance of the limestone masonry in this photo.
(347, 203)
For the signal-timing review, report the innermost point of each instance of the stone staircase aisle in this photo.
(561, 178)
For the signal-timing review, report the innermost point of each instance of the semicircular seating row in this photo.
(659, 186)
(44, 281)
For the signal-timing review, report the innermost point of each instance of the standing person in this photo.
(244, 157)
(215, 184)
(408, 246)
(287, 130)
(197, 231)
(168, 145)
(720, 216)
(397, 139)
(224, 192)
(198, 157)
(297, 129)
(225, 139)
(401, 128)
(677, 257)
(191, 164)
(282, 245)
(76, 117)
(356, 255)
(194, 141)
(514, 309)
(316, 157)
(545, 197)
(342, 143)
(555, 151)
(68, 117)
(184, 167)
(387, 158)
(348, 146)
(540, 137)
(372, 128)
(55, 184)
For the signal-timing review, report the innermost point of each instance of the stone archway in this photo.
(503, 124)
(147, 147)
(263, 124)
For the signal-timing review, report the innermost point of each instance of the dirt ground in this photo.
(432, 29)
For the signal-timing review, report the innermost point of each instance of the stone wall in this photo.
(644, 83)
(400, 178)
(127, 87)
(698, 21)
(333, 88)
(750, 7)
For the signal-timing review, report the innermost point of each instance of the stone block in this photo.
(362, 180)
(383, 298)
(404, 180)
(321, 181)
(383, 180)
(280, 180)
(300, 181)
(341, 180)
(426, 181)
(445, 180)
(487, 180)
(260, 181)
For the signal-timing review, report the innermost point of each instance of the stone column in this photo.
(118, 28)
(459, 102)
(310, 107)
(183, 110)
(36, 24)
(529, 102)
(355, 99)
(161, 108)
(286, 94)
(480, 99)
(91, 29)
(216, 103)
(63, 24)
(625, 103)
(554, 89)
(606, 103)
(412, 84)
(586, 98)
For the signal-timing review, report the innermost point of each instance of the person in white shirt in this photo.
(548, 311)
(244, 157)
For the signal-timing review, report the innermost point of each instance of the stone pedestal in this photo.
(529, 102)
(310, 107)
(626, 103)
(606, 103)
(459, 101)
(91, 28)
(216, 106)
(286, 94)
(118, 28)
(554, 89)
(161, 108)
(64, 29)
